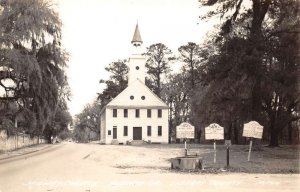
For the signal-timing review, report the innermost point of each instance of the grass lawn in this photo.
(284, 159)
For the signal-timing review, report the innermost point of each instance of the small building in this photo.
(136, 114)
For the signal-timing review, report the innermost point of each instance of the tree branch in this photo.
(282, 31)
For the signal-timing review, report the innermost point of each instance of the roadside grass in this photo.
(264, 160)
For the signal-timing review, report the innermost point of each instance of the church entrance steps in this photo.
(137, 142)
(115, 142)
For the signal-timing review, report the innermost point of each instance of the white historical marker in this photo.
(185, 130)
(216, 132)
(253, 130)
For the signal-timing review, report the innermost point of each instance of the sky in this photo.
(98, 32)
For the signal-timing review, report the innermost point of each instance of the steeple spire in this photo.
(136, 40)
(137, 60)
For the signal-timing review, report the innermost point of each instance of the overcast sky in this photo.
(97, 32)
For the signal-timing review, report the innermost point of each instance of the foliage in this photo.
(157, 64)
(87, 125)
(191, 57)
(255, 67)
(32, 57)
(63, 135)
(89, 117)
(116, 84)
(81, 135)
(175, 94)
(61, 122)
(248, 69)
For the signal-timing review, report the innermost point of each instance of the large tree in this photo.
(193, 58)
(32, 57)
(175, 93)
(190, 55)
(87, 122)
(116, 83)
(254, 66)
(157, 64)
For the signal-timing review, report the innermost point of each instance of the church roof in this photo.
(137, 95)
(137, 35)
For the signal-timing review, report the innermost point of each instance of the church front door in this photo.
(137, 133)
(115, 133)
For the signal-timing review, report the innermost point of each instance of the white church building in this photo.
(136, 114)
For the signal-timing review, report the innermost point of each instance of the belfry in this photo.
(136, 60)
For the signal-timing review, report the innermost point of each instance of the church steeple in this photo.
(136, 40)
(137, 60)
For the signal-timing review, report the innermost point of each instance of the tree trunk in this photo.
(274, 138)
(229, 135)
(273, 132)
(236, 132)
(199, 135)
(290, 132)
(256, 42)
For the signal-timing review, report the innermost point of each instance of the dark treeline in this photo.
(33, 85)
(253, 71)
(247, 69)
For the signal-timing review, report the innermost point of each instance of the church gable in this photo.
(137, 94)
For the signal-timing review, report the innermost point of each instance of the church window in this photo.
(115, 112)
(148, 130)
(137, 113)
(149, 113)
(109, 132)
(125, 112)
(159, 113)
(137, 67)
(131, 97)
(125, 130)
(159, 131)
(143, 97)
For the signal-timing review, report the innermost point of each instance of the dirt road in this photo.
(91, 167)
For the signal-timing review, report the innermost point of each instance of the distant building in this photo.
(136, 113)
